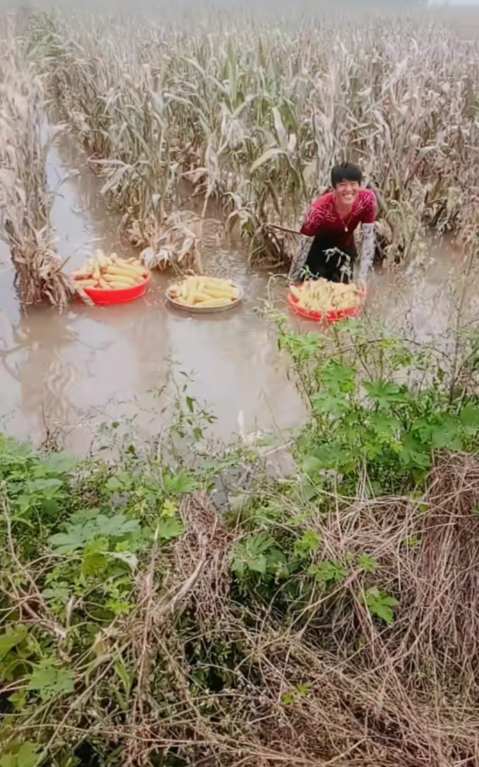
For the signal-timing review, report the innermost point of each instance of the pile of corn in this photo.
(110, 272)
(204, 292)
(323, 296)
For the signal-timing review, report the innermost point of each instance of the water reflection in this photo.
(94, 364)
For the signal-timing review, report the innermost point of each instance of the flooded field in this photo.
(93, 366)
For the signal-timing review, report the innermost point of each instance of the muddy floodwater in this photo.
(93, 366)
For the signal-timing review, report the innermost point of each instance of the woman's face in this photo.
(346, 192)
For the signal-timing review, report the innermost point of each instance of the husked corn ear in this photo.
(121, 271)
(323, 296)
(218, 291)
(118, 285)
(204, 292)
(103, 272)
(125, 279)
(199, 296)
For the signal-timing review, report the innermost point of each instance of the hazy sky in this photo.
(454, 2)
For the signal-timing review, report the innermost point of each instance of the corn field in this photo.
(245, 112)
(254, 114)
(24, 200)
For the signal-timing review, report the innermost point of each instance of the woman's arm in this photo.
(310, 228)
(313, 221)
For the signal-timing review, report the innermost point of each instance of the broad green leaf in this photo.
(179, 484)
(48, 680)
(118, 606)
(367, 563)
(385, 393)
(10, 640)
(114, 527)
(101, 526)
(384, 612)
(250, 554)
(380, 605)
(328, 572)
(338, 378)
(55, 464)
(445, 433)
(384, 425)
(94, 562)
(330, 404)
(66, 543)
(170, 527)
(469, 417)
(23, 755)
(27, 755)
(45, 489)
(413, 455)
(276, 562)
(422, 428)
(310, 465)
(113, 485)
(119, 482)
(85, 515)
(257, 564)
(308, 544)
(332, 456)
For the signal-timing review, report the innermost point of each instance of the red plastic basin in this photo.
(333, 316)
(120, 296)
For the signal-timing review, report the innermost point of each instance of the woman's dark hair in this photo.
(346, 172)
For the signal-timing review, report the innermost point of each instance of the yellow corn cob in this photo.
(121, 272)
(199, 296)
(118, 285)
(218, 291)
(212, 302)
(121, 264)
(127, 281)
(101, 259)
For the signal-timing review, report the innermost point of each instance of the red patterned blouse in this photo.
(323, 218)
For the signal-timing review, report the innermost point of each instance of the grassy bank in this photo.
(254, 113)
(172, 607)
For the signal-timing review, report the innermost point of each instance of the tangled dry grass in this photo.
(332, 688)
(228, 681)
(405, 695)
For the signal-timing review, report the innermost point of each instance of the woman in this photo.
(332, 221)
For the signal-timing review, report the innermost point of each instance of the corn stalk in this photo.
(25, 202)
